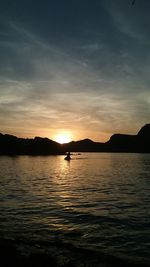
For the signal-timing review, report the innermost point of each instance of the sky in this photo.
(80, 67)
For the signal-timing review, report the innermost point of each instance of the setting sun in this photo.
(63, 137)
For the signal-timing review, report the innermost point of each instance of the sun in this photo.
(63, 137)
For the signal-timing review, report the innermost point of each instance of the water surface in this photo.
(99, 201)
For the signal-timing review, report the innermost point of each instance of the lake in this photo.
(97, 201)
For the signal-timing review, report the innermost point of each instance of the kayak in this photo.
(67, 158)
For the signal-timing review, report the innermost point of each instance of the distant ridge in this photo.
(12, 145)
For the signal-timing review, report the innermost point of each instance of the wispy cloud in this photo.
(98, 77)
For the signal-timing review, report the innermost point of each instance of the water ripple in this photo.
(100, 201)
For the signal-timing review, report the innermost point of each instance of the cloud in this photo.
(92, 79)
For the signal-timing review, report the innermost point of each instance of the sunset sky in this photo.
(80, 67)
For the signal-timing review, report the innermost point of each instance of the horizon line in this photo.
(73, 140)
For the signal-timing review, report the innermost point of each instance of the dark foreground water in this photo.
(98, 202)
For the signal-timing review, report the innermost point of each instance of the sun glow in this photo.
(63, 137)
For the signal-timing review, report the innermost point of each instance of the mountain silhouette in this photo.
(12, 145)
(143, 137)
(145, 131)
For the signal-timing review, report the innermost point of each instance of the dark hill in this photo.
(143, 137)
(131, 143)
(85, 145)
(140, 143)
(11, 145)
(144, 132)
(122, 143)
